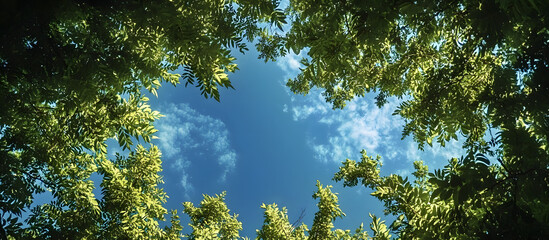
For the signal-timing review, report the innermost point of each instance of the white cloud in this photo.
(182, 165)
(404, 173)
(185, 132)
(361, 125)
(436, 156)
(412, 152)
(290, 64)
(312, 104)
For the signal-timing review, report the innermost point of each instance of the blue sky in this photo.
(263, 144)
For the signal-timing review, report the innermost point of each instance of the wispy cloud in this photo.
(185, 132)
(361, 125)
(441, 154)
(290, 64)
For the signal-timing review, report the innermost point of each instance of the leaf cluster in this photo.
(459, 65)
(74, 74)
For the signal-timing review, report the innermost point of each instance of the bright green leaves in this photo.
(220, 26)
(367, 170)
(72, 76)
(132, 202)
(460, 91)
(464, 68)
(411, 202)
(270, 46)
(328, 211)
(211, 220)
(277, 226)
(381, 232)
(421, 172)
(454, 202)
(137, 122)
(359, 234)
(174, 231)
(447, 57)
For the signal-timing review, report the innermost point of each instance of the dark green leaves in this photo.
(453, 59)
(72, 76)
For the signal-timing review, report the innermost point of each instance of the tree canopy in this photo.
(73, 73)
(466, 68)
(72, 76)
(464, 64)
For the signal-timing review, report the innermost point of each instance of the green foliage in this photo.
(277, 226)
(71, 77)
(467, 199)
(328, 211)
(211, 220)
(174, 231)
(381, 232)
(464, 68)
(132, 202)
(463, 64)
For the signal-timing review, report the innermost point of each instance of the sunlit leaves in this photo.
(379, 228)
(367, 171)
(455, 201)
(463, 68)
(277, 225)
(132, 202)
(328, 211)
(73, 76)
(446, 56)
(211, 220)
